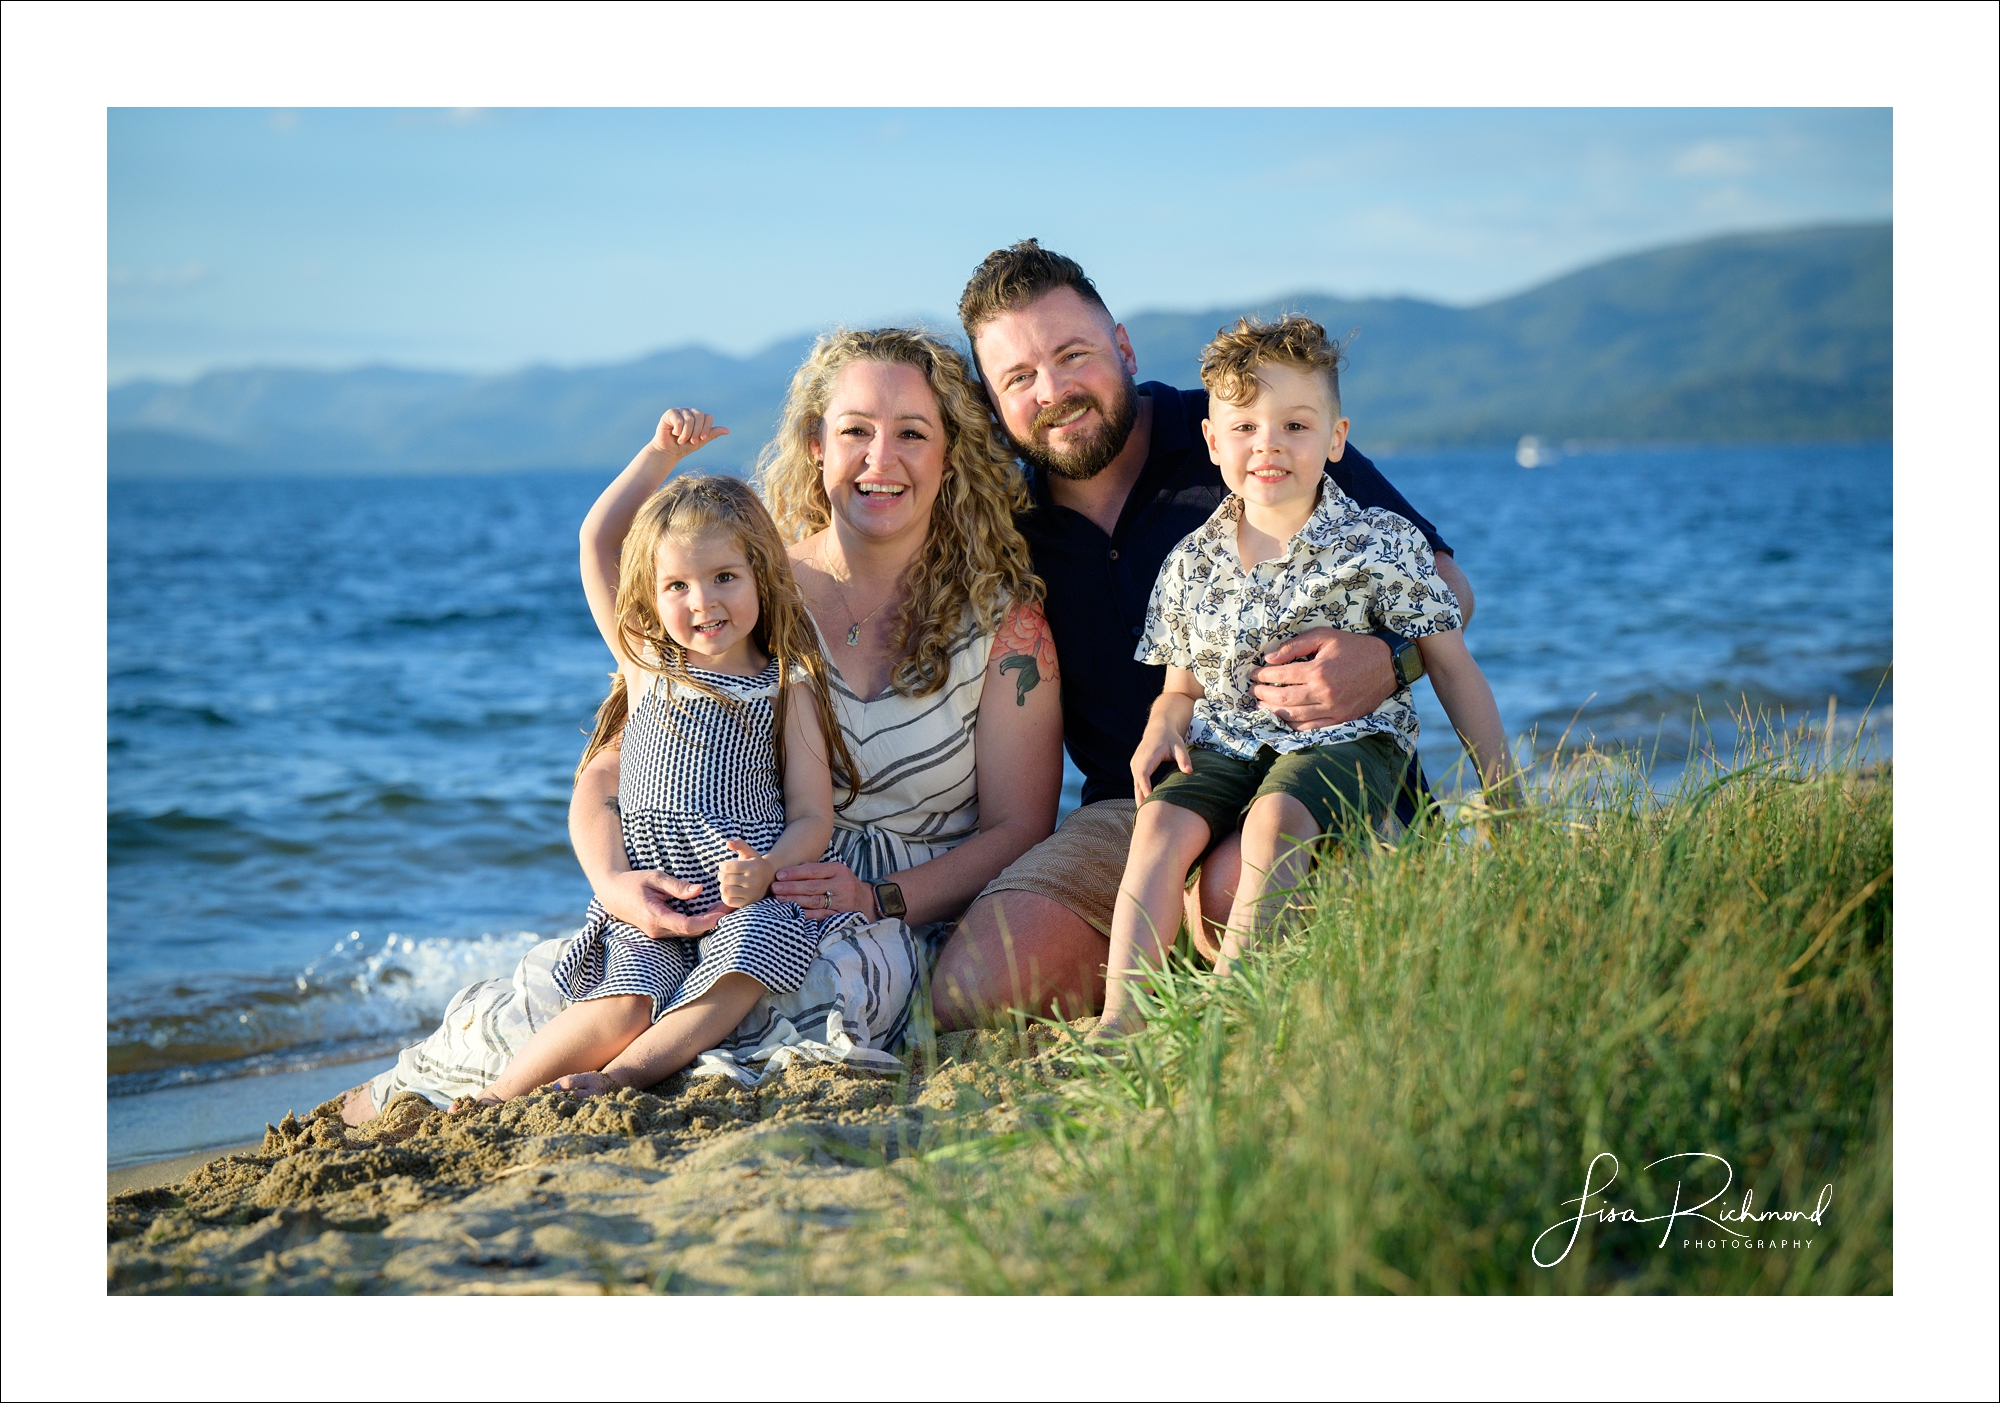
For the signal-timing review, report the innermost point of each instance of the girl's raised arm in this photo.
(680, 432)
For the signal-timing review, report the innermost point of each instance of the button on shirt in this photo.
(1099, 585)
(1348, 567)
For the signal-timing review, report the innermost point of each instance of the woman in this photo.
(897, 500)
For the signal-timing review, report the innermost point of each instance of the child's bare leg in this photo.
(1274, 863)
(676, 1040)
(1205, 909)
(1166, 839)
(582, 1038)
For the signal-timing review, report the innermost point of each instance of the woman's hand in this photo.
(1162, 741)
(746, 876)
(821, 888)
(682, 431)
(639, 899)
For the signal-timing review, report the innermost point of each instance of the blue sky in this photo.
(490, 239)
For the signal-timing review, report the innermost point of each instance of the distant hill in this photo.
(1758, 336)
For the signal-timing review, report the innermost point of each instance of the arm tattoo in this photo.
(1024, 648)
(611, 803)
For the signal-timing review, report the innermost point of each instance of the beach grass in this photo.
(1406, 1095)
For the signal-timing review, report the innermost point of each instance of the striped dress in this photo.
(919, 798)
(692, 775)
(919, 794)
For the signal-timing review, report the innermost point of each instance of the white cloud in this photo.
(1714, 158)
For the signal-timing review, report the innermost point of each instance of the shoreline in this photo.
(204, 1117)
(160, 1173)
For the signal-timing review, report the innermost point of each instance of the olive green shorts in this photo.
(1353, 782)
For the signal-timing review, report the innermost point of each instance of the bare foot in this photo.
(1111, 1030)
(357, 1105)
(587, 1084)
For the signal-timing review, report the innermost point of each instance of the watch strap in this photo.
(1404, 655)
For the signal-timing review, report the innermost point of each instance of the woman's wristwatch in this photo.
(889, 900)
(1404, 656)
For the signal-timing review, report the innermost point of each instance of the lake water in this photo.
(343, 717)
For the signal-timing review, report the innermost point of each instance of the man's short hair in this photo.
(1229, 362)
(1015, 276)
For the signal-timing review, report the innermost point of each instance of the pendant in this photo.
(854, 635)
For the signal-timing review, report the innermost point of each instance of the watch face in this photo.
(889, 897)
(1409, 665)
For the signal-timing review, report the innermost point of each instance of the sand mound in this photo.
(695, 1185)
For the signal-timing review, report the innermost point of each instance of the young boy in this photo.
(1286, 551)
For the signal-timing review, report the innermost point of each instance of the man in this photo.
(1118, 473)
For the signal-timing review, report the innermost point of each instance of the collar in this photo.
(1217, 536)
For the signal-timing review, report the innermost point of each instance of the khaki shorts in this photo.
(1353, 782)
(1080, 864)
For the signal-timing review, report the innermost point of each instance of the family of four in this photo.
(826, 778)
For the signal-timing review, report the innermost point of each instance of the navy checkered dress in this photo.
(691, 776)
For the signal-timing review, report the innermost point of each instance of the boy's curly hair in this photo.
(1229, 362)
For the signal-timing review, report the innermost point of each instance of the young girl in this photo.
(728, 750)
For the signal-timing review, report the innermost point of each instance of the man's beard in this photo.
(1089, 455)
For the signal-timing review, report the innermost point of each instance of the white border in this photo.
(1935, 64)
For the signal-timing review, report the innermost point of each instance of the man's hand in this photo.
(639, 899)
(1324, 677)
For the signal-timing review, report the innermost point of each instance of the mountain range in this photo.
(1782, 335)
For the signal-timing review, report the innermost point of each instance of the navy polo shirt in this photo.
(1098, 585)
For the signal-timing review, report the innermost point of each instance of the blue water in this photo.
(343, 717)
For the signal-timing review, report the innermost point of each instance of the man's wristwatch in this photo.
(1404, 656)
(889, 900)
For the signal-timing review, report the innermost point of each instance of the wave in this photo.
(456, 618)
(356, 999)
(200, 837)
(171, 714)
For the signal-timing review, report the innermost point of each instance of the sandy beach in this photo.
(696, 1186)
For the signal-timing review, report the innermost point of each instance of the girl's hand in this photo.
(745, 877)
(639, 899)
(1162, 741)
(821, 888)
(682, 431)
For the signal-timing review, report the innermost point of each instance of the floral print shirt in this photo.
(1348, 568)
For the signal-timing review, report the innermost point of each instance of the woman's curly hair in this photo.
(973, 558)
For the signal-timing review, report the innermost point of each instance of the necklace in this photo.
(854, 624)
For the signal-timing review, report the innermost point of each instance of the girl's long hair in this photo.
(973, 556)
(694, 506)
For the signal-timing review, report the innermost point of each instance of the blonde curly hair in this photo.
(973, 557)
(1229, 362)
